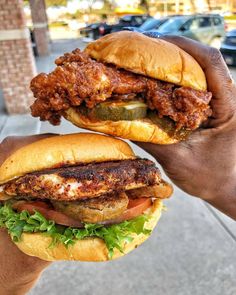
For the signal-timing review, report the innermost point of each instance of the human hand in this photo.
(205, 164)
(18, 272)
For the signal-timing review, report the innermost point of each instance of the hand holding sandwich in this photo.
(18, 271)
(205, 164)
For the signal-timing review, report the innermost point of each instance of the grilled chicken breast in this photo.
(84, 181)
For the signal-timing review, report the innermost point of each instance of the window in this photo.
(191, 24)
(172, 25)
(204, 22)
(217, 21)
(150, 24)
(138, 20)
(126, 18)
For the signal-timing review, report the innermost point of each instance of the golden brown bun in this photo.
(151, 57)
(90, 249)
(138, 130)
(62, 150)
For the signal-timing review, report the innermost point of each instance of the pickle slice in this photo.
(117, 111)
(167, 125)
(164, 123)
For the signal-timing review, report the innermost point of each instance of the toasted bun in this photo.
(138, 130)
(151, 57)
(89, 249)
(61, 150)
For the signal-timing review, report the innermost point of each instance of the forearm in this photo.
(226, 204)
(224, 198)
(20, 287)
(18, 272)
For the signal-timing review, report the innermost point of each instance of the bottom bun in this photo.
(89, 249)
(138, 130)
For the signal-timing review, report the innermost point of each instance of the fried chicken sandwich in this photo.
(127, 85)
(79, 197)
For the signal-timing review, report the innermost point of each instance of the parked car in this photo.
(91, 30)
(149, 24)
(97, 30)
(135, 20)
(206, 28)
(228, 48)
(153, 23)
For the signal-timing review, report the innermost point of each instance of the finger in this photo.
(218, 77)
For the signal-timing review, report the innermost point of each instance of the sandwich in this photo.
(80, 197)
(128, 85)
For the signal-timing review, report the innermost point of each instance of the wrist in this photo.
(223, 197)
(18, 271)
(19, 286)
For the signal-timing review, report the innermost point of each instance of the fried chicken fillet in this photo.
(78, 79)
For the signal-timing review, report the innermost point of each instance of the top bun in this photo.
(61, 150)
(151, 57)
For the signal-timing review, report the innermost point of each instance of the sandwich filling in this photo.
(84, 181)
(103, 92)
(106, 196)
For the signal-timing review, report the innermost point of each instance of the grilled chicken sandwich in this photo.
(79, 197)
(128, 85)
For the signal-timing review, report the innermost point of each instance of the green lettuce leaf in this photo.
(114, 235)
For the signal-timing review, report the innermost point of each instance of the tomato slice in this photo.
(135, 208)
(137, 202)
(48, 213)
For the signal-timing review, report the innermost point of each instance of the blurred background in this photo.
(192, 250)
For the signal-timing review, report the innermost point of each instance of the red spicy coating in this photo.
(77, 78)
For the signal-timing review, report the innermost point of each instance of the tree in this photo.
(56, 2)
(145, 5)
(51, 2)
(193, 5)
(108, 4)
(209, 4)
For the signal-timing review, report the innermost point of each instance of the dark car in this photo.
(153, 23)
(206, 28)
(91, 30)
(129, 20)
(150, 24)
(228, 48)
(97, 30)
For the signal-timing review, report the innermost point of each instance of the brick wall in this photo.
(17, 65)
(11, 14)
